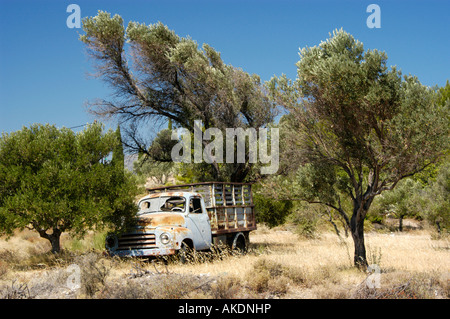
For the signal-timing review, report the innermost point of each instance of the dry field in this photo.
(279, 264)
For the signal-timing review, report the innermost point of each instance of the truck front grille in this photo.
(137, 241)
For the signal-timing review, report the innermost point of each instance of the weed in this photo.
(94, 272)
(155, 286)
(272, 277)
(374, 255)
(15, 291)
(225, 287)
(8, 256)
(4, 268)
(417, 286)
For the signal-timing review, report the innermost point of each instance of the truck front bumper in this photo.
(143, 252)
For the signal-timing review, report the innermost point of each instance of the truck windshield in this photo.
(162, 204)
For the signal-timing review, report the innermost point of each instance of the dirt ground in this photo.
(279, 264)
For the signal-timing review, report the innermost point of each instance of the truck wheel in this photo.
(184, 253)
(239, 244)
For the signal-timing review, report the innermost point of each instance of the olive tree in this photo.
(358, 126)
(54, 180)
(156, 75)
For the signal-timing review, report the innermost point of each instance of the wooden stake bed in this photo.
(229, 205)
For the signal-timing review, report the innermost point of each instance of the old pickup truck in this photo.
(175, 219)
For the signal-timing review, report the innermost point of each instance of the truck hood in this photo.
(161, 219)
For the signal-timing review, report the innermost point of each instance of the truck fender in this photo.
(239, 242)
(179, 234)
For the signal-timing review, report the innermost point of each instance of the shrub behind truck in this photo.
(174, 219)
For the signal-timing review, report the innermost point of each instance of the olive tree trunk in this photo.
(54, 239)
(357, 230)
(360, 209)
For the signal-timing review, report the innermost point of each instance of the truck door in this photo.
(201, 227)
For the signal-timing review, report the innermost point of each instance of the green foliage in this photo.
(317, 181)
(374, 216)
(118, 157)
(104, 29)
(157, 162)
(270, 211)
(429, 200)
(306, 220)
(437, 199)
(444, 94)
(405, 200)
(54, 180)
(146, 168)
(194, 173)
(161, 147)
(427, 175)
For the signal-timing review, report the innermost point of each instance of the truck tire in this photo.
(184, 253)
(239, 243)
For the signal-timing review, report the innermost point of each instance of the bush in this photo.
(91, 241)
(94, 272)
(225, 287)
(417, 286)
(269, 211)
(271, 277)
(306, 220)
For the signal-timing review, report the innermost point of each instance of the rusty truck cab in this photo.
(164, 221)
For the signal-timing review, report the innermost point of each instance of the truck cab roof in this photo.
(180, 194)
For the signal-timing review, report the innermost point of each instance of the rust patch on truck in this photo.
(161, 219)
(175, 229)
(181, 231)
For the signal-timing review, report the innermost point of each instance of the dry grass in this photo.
(279, 265)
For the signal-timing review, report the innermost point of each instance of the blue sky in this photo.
(43, 66)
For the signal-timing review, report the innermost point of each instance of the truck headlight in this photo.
(164, 238)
